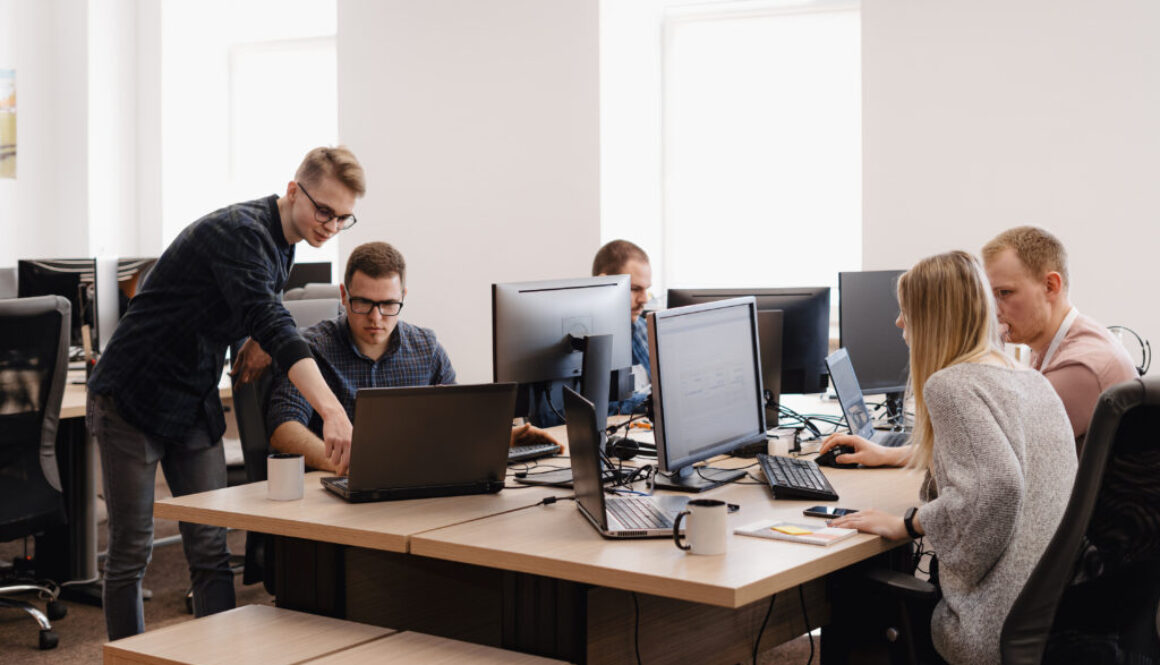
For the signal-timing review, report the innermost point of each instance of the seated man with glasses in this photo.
(368, 346)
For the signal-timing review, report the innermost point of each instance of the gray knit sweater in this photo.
(1003, 465)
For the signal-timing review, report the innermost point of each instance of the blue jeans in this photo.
(129, 460)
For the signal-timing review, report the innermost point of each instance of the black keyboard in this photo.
(792, 478)
(531, 452)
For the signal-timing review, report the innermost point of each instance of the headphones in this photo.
(621, 447)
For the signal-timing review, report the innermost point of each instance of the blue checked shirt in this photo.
(218, 282)
(639, 357)
(413, 358)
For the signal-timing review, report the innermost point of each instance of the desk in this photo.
(541, 580)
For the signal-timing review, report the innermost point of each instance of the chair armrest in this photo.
(902, 584)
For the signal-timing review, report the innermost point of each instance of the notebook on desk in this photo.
(616, 516)
(849, 393)
(429, 441)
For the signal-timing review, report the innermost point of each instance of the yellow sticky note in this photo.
(791, 530)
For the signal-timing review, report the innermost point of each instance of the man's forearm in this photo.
(294, 437)
(308, 380)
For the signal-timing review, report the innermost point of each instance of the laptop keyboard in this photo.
(531, 452)
(638, 512)
(339, 481)
(791, 478)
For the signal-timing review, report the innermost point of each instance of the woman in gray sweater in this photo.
(995, 443)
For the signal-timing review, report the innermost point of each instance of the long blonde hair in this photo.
(949, 313)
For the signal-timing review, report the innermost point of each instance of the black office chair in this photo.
(34, 336)
(1094, 596)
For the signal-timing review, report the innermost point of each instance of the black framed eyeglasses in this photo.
(324, 215)
(386, 307)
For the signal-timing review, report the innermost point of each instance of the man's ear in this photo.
(342, 292)
(1053, 281)
(404, 293)
(291, 189)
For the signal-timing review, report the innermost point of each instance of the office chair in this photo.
(250, 400)
(34, 335)
(1094, 596)
(312, 291)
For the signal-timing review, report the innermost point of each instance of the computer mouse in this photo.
(829, 458)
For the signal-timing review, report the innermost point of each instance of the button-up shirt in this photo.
(216, 283)
(413, 358)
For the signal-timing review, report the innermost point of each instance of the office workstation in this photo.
(553, 129)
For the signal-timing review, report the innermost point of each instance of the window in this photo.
(762, 146)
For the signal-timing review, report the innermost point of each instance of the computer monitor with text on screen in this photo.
(707, 389)
(562, 332)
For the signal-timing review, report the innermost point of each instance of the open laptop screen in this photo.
(850, 393)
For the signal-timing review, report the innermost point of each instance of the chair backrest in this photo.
(1110, 529)
(251, 399)
(34, 335)
(312, 291)
(309, 312)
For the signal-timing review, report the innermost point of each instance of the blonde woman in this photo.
(995, 443)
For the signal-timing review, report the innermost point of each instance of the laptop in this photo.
(849, 393)
(613, 516)
(427, 441)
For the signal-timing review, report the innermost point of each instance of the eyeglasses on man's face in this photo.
(324, 215)
(385, 307)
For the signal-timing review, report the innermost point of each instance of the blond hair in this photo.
(1037, 249)
(949, 313)
(338, 163)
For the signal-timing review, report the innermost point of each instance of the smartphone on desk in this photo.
(827, 512)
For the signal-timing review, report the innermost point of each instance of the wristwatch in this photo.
(908, 522)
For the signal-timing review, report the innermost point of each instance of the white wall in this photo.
(478, 125)
(44, 210)
(985, 114)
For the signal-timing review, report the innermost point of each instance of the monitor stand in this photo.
(696, 479)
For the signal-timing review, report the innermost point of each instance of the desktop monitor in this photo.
(568, 331)
(805, 332)
(74, 279)
(867, 310)
(302, 274)
(707, 392)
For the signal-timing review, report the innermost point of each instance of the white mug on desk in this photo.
(285, 476)
(706, 529)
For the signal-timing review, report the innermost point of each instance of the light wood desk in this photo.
(541, 580)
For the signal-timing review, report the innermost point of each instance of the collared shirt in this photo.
(215, 284)
(413, 358)
(639, 357)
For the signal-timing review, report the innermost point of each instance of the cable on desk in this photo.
(636, 627)
(806, 619)
(761, 631)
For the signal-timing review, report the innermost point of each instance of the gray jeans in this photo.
(129, 460)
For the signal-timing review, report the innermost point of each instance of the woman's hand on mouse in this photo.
(865, 452)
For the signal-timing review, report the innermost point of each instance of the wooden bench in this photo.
(273, 636)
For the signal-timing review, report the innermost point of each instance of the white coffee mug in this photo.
(705, 528)
(285, 476)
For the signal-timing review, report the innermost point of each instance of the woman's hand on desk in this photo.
(873, 521)
(866, 453)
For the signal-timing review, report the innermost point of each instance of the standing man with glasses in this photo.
(153, 397)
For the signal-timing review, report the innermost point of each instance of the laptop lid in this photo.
(850, 394)
(431, 436)
(584, 449)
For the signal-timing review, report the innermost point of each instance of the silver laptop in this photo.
(854, 405)
(410, 443)
(614, 516)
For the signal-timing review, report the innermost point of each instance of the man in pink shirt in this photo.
(1027, 268)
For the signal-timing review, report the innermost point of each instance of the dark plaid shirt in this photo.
(413, 358)
(216, 283)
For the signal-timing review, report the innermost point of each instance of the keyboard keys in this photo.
(531, 451)
(638, 513)
(791, 478)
